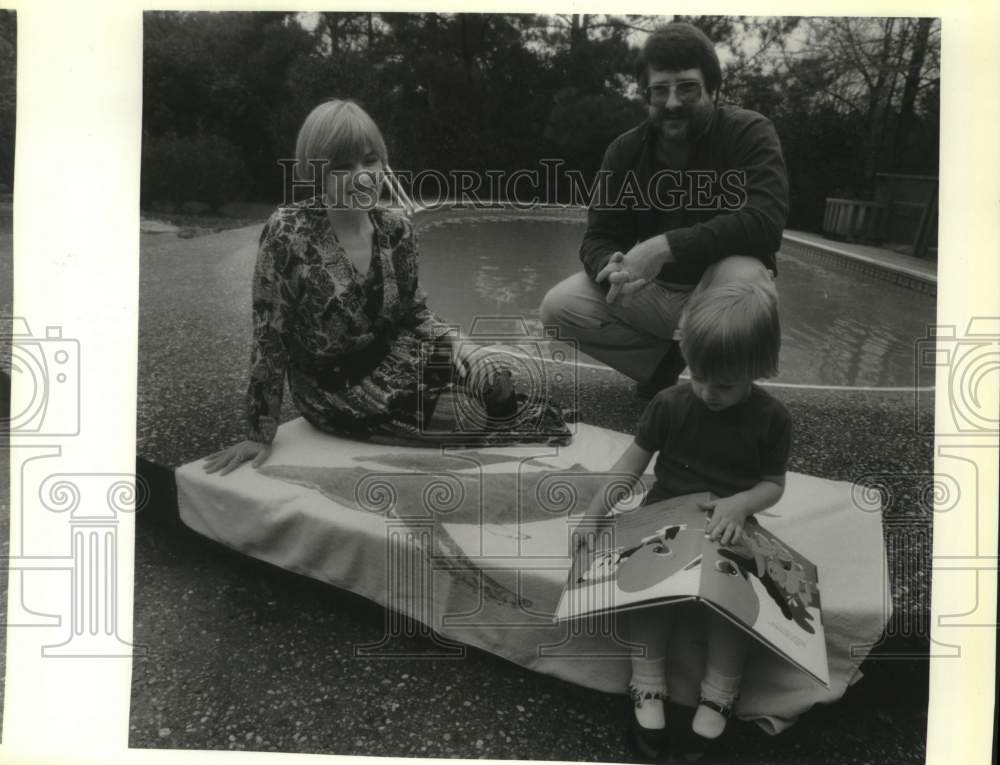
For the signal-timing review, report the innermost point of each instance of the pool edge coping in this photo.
(899, 273)
(876, 266)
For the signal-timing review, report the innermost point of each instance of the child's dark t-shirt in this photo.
(722, 452)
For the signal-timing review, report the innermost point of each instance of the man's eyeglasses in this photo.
(688, 91)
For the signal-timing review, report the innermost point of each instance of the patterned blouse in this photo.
(330, 328)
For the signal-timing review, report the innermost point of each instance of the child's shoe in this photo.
(648, 705)
(711, 717)
(652, 744)
(649, 728)
(715, 707)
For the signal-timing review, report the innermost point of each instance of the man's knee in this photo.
(552, 306)
(567, 301)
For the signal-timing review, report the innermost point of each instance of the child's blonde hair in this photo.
(731, 332)
(337, 131)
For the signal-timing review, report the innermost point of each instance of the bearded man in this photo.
(696, 195)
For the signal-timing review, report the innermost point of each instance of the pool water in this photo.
(839, 328)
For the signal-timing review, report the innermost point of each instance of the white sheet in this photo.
(486, 556)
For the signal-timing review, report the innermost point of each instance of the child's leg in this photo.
(726, 655)
(650, 629)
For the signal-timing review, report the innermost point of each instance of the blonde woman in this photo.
(338, 310)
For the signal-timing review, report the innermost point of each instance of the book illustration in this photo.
(784, 579)
(661, 554)
(674, 547)
(642, 549)
(742, 598)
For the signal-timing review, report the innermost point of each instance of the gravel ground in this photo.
(241, 655)
(245, 656)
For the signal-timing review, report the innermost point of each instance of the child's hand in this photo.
(728, 516)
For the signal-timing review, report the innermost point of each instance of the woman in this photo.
(337, 308)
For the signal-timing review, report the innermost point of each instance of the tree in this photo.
(8, 94)
(914, 75)
(495, 91)
(224, 75)
(849, 98)
(863, 60)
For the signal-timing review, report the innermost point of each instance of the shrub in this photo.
(202, 168)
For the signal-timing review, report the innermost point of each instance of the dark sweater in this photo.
(723, 452)
(709, 210)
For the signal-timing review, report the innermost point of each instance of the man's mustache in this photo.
(672, 114)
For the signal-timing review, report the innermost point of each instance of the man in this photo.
(697, 194)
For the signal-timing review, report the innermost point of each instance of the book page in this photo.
(649, 555)
(771, 590)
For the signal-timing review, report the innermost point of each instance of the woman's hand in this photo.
(230, 458)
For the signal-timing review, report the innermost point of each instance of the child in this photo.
(719, 433)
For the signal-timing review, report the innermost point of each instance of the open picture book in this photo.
(659, 554)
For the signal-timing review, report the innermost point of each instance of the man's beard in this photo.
(681, 119)
(687, 121)
(663, 114)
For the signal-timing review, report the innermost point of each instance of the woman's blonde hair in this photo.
(732, 332)
(337, 131)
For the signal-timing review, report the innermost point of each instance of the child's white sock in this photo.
(719, 689)
(648, 691)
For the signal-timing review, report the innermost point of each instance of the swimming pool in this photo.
(839, 327)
